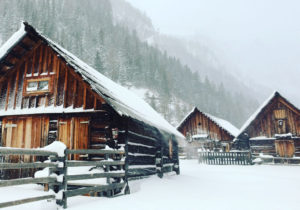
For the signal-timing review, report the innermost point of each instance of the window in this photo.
(37, 86)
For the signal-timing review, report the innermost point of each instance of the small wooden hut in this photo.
(207, 132)
(274, 129)
(48, 94)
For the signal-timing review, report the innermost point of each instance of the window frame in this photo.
(38, 92)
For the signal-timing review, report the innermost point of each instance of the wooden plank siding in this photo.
(275, 130)
(66, 89)
(267, 123)
(66, 85)
(200, 122)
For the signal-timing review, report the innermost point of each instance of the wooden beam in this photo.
(75, 93)
(7, 94)
(45, 60)
(13, 182)
(84, 97)
(57, 80)
(65, 87)
(49, 61)
(27, 165)
(95, 103)
(17, 87)
(26, 200)
(94, 176)
(93, 163)
(33, 62)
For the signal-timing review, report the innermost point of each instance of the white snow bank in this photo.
(265, 156)
(198, 187)
(57, 147)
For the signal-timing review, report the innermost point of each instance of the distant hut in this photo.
(274, 129)
(207, 132)
(48, 94)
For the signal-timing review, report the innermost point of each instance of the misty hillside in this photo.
(195, 52)
(91, 30)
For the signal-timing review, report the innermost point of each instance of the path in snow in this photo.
(204, 187)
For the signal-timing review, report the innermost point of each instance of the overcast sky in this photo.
(259, 38)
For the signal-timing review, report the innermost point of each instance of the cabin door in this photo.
(285, 148)
(27, 132)
(74, 132)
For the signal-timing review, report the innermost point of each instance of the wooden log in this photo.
(141, 150)
(94, 151)
(26, 165)
(131, 133)
(85, 190)
(12, 182)
(141, 172)
(94, 176)
(94, 163)
(26, 200)
(35, 152)
(140, 160)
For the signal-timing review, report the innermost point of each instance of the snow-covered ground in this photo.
(198, 187)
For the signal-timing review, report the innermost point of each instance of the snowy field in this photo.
(198, 187)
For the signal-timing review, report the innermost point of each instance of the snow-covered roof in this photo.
(12, 41)
(224, 124)
(122, 100)
(260, 109)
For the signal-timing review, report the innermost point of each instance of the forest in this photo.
(89, 30)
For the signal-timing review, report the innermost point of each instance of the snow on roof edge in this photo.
(226, 125)
(186, 116)
(10, 43)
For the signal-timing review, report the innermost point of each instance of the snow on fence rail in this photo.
(225, 158)
(22, 181)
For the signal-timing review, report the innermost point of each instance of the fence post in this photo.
(127, 189)
(65, 181)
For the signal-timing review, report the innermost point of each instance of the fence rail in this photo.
(225, 158)
(80, 189)
(115, 165)
(22, 181)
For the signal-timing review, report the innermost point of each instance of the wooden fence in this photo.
(225, 158)
(114, 168)
(278, 160)
(120, 179)
(6, 152)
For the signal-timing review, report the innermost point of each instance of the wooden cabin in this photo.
(206, 132)
(274, 129)
(48, 94)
